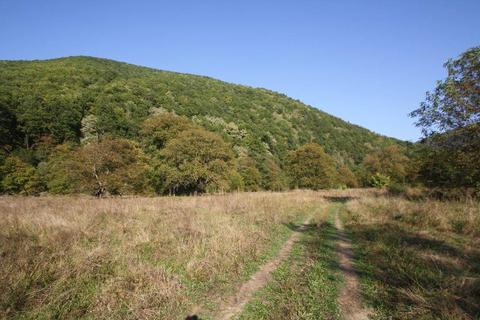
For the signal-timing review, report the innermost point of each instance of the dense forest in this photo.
(97, 126)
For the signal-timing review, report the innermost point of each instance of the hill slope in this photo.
(52, 97)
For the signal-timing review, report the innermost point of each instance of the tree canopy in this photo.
(197, 161)
(310, 167)
(389, 161)
(449, 119)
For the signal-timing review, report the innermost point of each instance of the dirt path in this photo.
(258, 280)
(349, 299)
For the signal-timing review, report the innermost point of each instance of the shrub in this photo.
(397, 189)
(379, 180)
(20, 177)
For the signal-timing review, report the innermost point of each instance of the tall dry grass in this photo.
(418, 259)
(135, 258)
(461, 217)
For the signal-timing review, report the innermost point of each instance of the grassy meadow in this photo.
(72, 257)
(167, 257)
(417, 259)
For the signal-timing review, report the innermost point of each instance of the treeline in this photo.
(177, 156)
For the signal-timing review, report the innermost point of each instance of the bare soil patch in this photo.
(349, 299)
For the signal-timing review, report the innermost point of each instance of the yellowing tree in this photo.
(110, 166)
(310, 167)
(197, 161)
(250, 174)
(346, 177)
(388, 161)
(19, 177)
(159, 129)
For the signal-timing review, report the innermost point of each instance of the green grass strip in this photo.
(306, 285)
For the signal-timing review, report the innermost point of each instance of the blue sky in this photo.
(368, 62)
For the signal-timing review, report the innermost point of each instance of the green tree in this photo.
(9, 133)
(110, 166)
(449, 118)
(159, 129)
(310, 167)
(81, 99)
(274, 177)
(20, 177)
(455, 102)
(59, 171)
(196, 161)
(379, 180)
(250, 174)
(388, 161)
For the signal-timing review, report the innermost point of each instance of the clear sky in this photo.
(368, 62)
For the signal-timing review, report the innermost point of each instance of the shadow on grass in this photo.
(320, 237)
(307, 283)
(339, 199)
(415, 275)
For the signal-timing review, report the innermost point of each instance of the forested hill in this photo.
(52, 97)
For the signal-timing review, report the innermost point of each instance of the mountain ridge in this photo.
(206, 77)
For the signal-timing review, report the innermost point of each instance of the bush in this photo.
(20, 177)
(379, 180)
(397, 189)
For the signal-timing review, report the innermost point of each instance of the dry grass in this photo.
(419, 259)
(460, 217)
(138, 258)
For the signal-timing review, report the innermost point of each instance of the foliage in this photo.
(159, 129)
(273, 176)
(250, 174)
(59, 175)
(455, 102)
(80, 100)
(197, 161)
(310, 167)
(397, 189)
(110, 166)
(19, 177)
(388, 161)
(347, 177)
(379, 180)
(449, 119)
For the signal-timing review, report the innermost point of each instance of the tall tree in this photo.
(455, 102)
(449, 118)
(159, 129)
(250, 174)
(389, 161)
(110, 166)
(196, 161)
(310, 167)
(274, 177)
